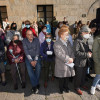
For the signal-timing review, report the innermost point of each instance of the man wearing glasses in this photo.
(31, 47)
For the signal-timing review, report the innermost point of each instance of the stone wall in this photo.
(20, 10)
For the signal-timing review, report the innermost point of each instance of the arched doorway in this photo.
(98, 15)
(92, 11)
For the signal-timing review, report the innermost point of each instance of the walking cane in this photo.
(11, 52)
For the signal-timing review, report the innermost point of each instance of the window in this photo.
(3, 13)
(45, 13)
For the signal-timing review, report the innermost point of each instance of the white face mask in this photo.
(66, 38)
(61, 25)
(44, 30)
(86, 36)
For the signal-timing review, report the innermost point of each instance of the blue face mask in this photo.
(48, 40)
(27, 26)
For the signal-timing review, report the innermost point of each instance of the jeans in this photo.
(96, 80)
(33, 74)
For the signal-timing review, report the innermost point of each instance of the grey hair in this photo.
(15, 35)
(85, 28)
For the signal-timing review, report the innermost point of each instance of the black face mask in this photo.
(14, 28)
(16, 41)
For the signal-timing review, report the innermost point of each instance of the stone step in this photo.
(11, 96)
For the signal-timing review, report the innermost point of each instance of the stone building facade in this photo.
(73, 10)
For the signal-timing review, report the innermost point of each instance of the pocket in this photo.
(83, 63)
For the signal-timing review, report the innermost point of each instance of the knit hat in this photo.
(85, 28)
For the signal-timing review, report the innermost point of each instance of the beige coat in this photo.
(96, 54)
(62, 54)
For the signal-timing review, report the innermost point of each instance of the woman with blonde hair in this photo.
(63, 58)
(70, 36)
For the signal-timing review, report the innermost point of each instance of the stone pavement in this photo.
(50, 93)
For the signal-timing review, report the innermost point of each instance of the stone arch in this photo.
(93, 10)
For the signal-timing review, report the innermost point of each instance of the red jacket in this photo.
(17, 51)
(24, 30)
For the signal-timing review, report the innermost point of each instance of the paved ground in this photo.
(50, 93)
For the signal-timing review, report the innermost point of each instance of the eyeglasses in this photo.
(30, 34)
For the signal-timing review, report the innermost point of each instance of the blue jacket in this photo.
(48, 28)
(43, 51)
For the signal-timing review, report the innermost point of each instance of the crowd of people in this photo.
(68, 57)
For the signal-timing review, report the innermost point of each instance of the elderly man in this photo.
(32, 49)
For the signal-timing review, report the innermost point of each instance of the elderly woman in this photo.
(82, 54)
(63, 59)
(17, 50)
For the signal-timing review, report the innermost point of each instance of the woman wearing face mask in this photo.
(18, 51)
(64, 57)
(70, 36)
(82, 53)
(42, 34)
(47, 53)
(28, 26)
(10, 33)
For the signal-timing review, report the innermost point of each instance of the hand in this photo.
(90, 54)
(33, 63)
(16, 60)
(70, 60)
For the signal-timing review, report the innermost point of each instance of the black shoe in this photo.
(67, 90)
(15, 86)
(23, 85)
(4, 83)
(61, 91)
(34, 90)
(38, 86)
